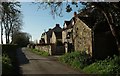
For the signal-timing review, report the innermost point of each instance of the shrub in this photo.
(9, 59)
(76, 59)
(6, 65)
(108, 66)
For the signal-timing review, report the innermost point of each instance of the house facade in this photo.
(82, 37)
(67, 36)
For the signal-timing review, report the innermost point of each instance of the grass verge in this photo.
(77, 60)
(83, 61)
(109, 66)
(39, 52)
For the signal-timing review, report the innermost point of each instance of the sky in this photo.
(35, 21)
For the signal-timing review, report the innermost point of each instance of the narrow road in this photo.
(31, 63)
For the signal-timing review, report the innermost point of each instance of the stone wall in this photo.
(52, 49)
(82, 37)
(46, 48)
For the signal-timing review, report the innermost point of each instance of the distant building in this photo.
(67, 34)
(53, 38)
(47, 38)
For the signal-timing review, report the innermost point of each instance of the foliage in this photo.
(6, 64)
(57, 7)
(76, 59)
(10, 19)
(39, 52)
(21, 38)
(9, 60)
(108, 66)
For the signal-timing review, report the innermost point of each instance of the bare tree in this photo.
(10, 18)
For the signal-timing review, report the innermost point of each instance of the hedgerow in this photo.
(76, 59)
(84, 62)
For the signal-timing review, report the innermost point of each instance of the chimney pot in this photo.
(57, 25)
(75, 13)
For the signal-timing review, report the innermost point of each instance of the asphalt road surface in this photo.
(31, 63)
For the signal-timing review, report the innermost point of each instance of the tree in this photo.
(111, 13)
(21, 39)
(10, 18)
(1, 12)
(57, 7)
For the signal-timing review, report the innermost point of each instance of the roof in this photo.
(85, 16)
(57, 28)
(68, 23)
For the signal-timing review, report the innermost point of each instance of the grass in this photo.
(83, 61)
(109, 66)
(42, 53)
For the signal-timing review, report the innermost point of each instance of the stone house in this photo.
(56, 37)
(96, 39)
(46, 36)
(76, 35)
(43, 38)
(82, 36)
(52, 41)
(65, 30)
(67, 35)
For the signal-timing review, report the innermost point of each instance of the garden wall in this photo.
(52, 49)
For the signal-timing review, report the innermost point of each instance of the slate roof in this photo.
(56, 29)
(68, 23)
(88, 18)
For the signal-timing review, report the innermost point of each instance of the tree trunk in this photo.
(1, 33)
(112, 28)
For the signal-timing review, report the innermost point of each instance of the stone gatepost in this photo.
(66, 47)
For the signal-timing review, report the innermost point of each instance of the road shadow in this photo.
(22, 59)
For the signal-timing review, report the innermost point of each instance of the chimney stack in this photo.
(75, 14)
(50, 29)
(57, 25)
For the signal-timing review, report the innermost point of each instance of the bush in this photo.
(9, 59)
(42, 53)
(76, 59)
(108, 66)
(6, 65)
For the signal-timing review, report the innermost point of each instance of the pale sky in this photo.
(36, 21)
